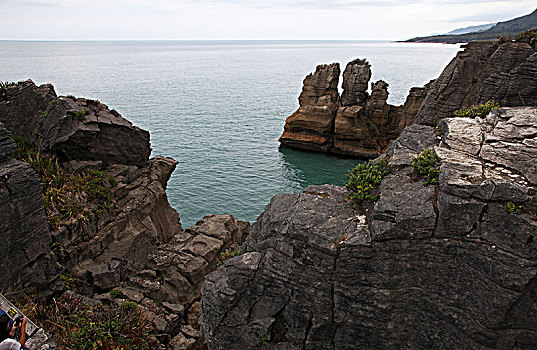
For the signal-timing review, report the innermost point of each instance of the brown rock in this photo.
(310, 127)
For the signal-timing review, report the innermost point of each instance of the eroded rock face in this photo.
(358, 124)
(74, 129)
(485, 70)
(310, 127)
(27, 261)
(443, 266)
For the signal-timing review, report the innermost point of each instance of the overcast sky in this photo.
(247, 19)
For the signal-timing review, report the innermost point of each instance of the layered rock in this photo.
(134, 245)
(447, 266)
(74, 129)
(485, 70)
(24, 236)
(359, 125)
(311, 126)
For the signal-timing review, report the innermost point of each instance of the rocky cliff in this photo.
(132, 243)
(356, 123)
(485, 70)
(450, 266)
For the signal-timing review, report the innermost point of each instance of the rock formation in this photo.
(357, 124)
(485, 70)
(24, 237)
(310, 127)
(135, 245)
(447, 266)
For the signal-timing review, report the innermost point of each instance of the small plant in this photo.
(481, 110)
(364, 179)
(71, 97)
(4, 86)
(228, 254)
(514, 208)
(81, 114)
(129, 306)
(526, 37)
(426, 165)
(116, 294)
(68, 281)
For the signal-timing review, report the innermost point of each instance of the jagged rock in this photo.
(27, 262)
(355, 82)
(358, 125)
(181, 265)
(310, 127)
(7, 146)
(444, 266)
(82, 129)
(75, 129)
(485, 70)
(23, 107)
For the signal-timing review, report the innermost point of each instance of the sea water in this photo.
(218, 107)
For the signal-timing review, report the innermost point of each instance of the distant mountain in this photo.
(471, 29)
(511, 27)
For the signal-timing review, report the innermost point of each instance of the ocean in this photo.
(218, 107)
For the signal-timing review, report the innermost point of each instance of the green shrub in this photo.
(513, 208)
(65, 195)
(426, 165)
(364, 179)
(481, 110)
(78, 326)
(81, 114)
(228, 254)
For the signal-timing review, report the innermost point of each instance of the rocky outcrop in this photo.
(310, 127)
(22, 106)
(134, 245)
(357, 124)
(485, 70)
(74, 129)
(24, 237)
(451, 266)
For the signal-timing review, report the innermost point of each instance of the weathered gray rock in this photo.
(82, 129)
(7, 146)
(41, 340)
(75, 129)
(444, 266)
(23, 107)
(27, 262)
(485, 70)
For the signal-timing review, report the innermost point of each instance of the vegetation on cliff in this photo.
(66, 195)
(364, 179)
(76, 325)
(426, 165)
(477, 111)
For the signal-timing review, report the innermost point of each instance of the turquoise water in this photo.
(218, 107)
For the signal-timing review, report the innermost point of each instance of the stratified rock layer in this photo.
(485, 70)
(24, 235)
(445, 267)
(357, 124)
(310, 127)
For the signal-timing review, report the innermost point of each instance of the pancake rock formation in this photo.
(356, 123)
